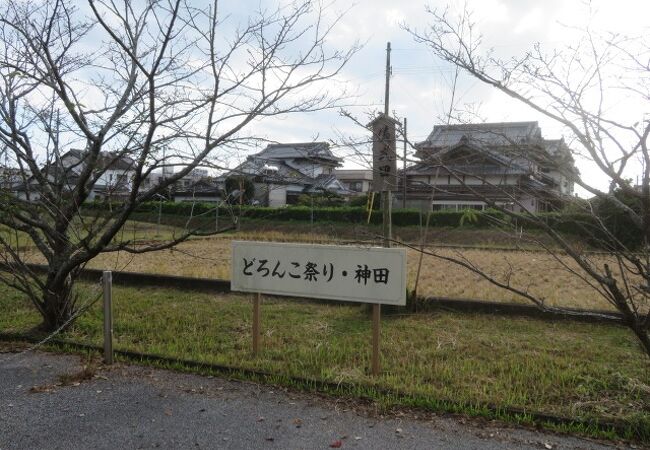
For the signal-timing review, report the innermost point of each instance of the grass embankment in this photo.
(577, 370)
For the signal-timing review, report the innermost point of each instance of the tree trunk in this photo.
(642, 334)
(59, 305)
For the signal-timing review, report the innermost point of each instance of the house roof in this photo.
(300, 150)
(487, 134)
(105, 160)
(515, 144)
(290, 164)
(501, 164)
(285, 163)
(199, 187)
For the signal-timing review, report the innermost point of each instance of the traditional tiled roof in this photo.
(105, 160)
(486, 134)
(202, 186)
(516, 146)
(301, 150)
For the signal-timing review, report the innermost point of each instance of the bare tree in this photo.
(95, 99)
(588, 88)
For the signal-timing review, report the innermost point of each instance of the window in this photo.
(477, 207)
(457, 207)
(436, 207)
(356, 186)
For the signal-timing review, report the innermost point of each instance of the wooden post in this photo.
(376, 321)
(371, 202)
(256, 322)
(107, 284)
(404, 169)
(388, 74)
(387, 200)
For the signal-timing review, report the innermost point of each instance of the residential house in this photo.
(357, 181)
(197, 186)
(283, 172)
(471, 165)
(10, 177)
(114, 175)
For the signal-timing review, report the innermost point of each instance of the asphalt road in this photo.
(134, 407)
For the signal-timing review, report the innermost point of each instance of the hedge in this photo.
(570, 223)
(348, 214)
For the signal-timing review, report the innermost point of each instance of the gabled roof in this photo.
(504, 163)
(204, 185)
(487, 134)
(515, 143)
(285, 160)
(105, 160)
(115, 161)
(301, 150)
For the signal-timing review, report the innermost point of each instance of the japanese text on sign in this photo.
(371, 275)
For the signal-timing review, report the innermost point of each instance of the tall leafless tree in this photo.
(148, 84)
(588, 88)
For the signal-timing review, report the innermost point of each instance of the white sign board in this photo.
(347, 273)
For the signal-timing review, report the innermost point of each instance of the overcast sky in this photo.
(421, 84)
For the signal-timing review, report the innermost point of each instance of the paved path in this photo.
(134, 407)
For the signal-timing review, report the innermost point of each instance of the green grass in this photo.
(435, 360)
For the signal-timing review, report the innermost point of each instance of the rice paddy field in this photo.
(544, 275)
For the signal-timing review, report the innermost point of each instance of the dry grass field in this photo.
(536, 272)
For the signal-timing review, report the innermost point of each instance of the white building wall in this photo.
(277, 196)
(529, 204)
(116, 177)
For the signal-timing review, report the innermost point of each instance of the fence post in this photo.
(107, 284)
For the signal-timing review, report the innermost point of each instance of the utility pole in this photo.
(388, 73)
(404, 167)
(386, 195)
(385, 198)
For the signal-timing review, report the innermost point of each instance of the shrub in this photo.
(618, 222)
(362, 201)
(240, 183)
(320, 200)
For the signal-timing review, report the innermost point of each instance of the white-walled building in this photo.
(357, 181)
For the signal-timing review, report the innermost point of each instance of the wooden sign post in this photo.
(257, 300)
(371, 275)
(376, 322)
(107, 285)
